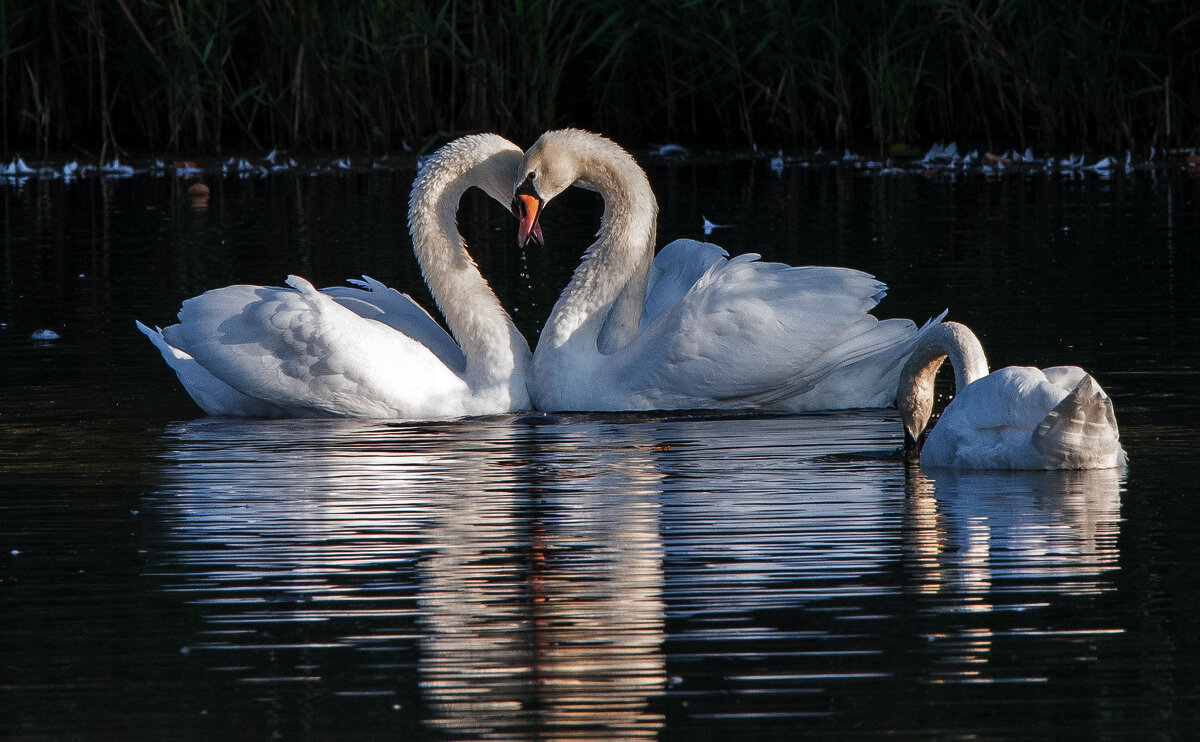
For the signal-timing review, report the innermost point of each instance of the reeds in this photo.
(210, 75)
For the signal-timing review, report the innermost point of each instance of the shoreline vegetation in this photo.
(103, 77)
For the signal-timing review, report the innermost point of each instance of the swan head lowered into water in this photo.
(1018, 417)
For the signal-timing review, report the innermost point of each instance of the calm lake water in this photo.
(676, 576)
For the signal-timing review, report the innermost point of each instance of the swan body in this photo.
(692, 328)
(1017, 417)
(366, 351)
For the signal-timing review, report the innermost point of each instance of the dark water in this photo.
(678, 576)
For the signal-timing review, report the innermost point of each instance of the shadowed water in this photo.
(597, 575)
(580, 576)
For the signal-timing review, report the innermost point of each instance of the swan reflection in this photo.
(999, 543)
(513, 577)
(568, 635)
(527, 582)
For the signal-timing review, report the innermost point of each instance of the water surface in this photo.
(677, 576)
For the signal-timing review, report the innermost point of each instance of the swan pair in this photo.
(688, 328)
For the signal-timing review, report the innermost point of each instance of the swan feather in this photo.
(374, 300)
(297, 348)
(367, 350)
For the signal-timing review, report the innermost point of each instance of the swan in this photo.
(692, 328)
(1017, 417)
(367, 351)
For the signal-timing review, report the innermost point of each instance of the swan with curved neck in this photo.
(369, 351)
(689, 328)
(1017, 417)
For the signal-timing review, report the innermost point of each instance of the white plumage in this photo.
(368, 351)
(1017, 417)
(691, 328)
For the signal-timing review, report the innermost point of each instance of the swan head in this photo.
(494, 175)
(549, 168)
(573, 157)
(485, 161)
(914, 401)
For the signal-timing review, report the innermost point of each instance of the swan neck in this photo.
(482, 328)
(603, 303)
(946, 341)
(965, 354)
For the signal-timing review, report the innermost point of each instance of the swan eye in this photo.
(527, 187)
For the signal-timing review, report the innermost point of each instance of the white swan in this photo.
(691, 328)
(372, 351)
(1018, 417)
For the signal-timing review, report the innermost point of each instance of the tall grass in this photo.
(210, 75)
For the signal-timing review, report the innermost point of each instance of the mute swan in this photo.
(372, 351)
(691, 328)
(1018, 417)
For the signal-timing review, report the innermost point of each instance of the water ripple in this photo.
(581, 574)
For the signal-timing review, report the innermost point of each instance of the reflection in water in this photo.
(779, 517)
(988, 542)
(568, 638)
(531, 583)
(546, 575)
(799, 583)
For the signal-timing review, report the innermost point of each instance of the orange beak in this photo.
(528, 209)
(527, 205)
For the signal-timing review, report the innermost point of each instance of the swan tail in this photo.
(213, 396)
(1081, 431)
(169, 352)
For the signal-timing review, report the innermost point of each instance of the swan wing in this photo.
(988, 424)
(752, 333)
(864, 370)
(675, 269)
(373, 300)
(1066, 378)
(301, 350)
(1011, 397)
